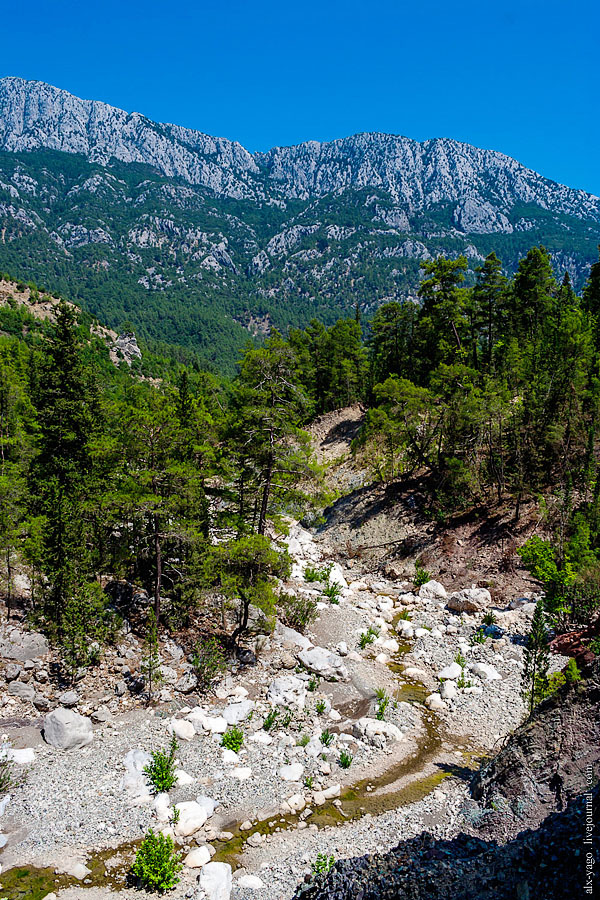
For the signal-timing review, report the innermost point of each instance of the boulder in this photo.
(373, 729)
(23, 646)
(187, 683)
(470, 600)
(68, 699)
(292, 772)
(453, 671)
(207, 803)
(238, 712)
(65, 729)
(12, 671)
(434, 701)
(324, 663)
(197, 857)
(162, 807)
(192, 817)
(215, 881)
(290, 636)
(432, 590)
(485, 671)
(448, 690)
(242, 773)
(22, 690)
(250, 883)
(182, 729)
(286, 690)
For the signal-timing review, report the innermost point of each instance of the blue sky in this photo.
(522, 78)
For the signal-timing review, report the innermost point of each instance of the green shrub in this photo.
(383, 701)
(489, 619)
(422, 576)
(459, 658)
(571, 672)
(368, 636)
(404, 615)
(209, 661)
(303, 740)
(309, 782)
(161, 771)
(326, 738)
(478, 637)
(333, 592)
(233, 739)
(322, 864)
(320, 707)
(345, 760)
(157, 863)
(7, 776)
(297, 612)
(594, 646)
(313, 684)
(311, 574)
(270, 719)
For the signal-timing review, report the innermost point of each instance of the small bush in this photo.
(303, 740)
(309, 782)
(345, 760)
(333, 592)
(157, 863)
(161, 771)
(326, 738)
(571, 672)
(233, 739)
(422, 576)
(489, 619)
(320, 707)
(322, 864)
(209, 661)
(297, 612)
(383, 701)
(594, 646)
(478, 637)
(312, 575)
(459, 658)
(270, 719)
(368, 636)
(313, 684)
(404, 615)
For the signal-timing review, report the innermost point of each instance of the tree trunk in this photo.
(158, 560)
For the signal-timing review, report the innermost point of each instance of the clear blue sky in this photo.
(520, 77)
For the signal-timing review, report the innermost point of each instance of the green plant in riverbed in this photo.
(309, 782)
(333, 592)
(160, 772)
(320, 707)
(404, 615)
(368, 636)
(489, 619)
(270, 719)
(383, 701)
(326, 738)
(345, 760)
(478, 637)
(422, 576)
(303, 740)
(322, 864)
(233, 739)
(157, 863)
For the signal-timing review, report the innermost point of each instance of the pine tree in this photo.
(535, 661)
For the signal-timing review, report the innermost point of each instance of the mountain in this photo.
(196, 241)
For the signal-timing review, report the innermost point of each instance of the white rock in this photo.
(183, 778)
(182, 729)
(421, 632)
(324, 663)
(434, 701)
(230, 757)
(238, 712)
(391, 645)
(334, 715)
(470, 600)
(296, 802)
(485, 671)
(373, 728)
(448, 690)
(286, 690)
(453, 671)
(242, 773)
(290, 636)
(292, 772)
(215, 724)
(20, 757)
(333, 791)
(197, 857)
(432, 590)
(414, 672)
(342, 648)
(65, 729)
(336, 576)
(207, 803)
(162, 807)
(192, 817)
(261, 737)
(215, 881)
(250, 882)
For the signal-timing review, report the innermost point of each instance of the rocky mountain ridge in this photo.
(34, 116)
(197, 242)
